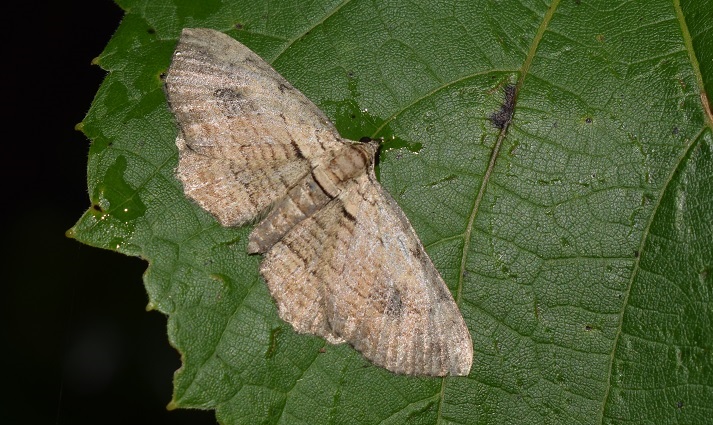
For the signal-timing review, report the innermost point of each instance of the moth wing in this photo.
(356, 271)
(385, 297)
(292, 271)
(246, 135)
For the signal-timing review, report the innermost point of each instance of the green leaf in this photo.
(576, 238)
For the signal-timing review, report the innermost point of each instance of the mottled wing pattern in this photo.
(292, 269)
(342, 260)
(247, 135)
(356, 271)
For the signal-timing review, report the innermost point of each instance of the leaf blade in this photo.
(607, 104)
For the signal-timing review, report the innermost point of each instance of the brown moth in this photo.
(340, 257)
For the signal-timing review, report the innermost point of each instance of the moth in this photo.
(341, 259)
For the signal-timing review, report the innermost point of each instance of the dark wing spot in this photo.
(227, 95)
(442, 293)
(284, 87)
(232, 102)
(394, 305)
(415, 252)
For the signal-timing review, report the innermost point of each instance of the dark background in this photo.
(78, 346)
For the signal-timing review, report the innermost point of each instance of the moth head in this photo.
(372, 145)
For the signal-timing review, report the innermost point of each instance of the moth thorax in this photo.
(351, 161)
